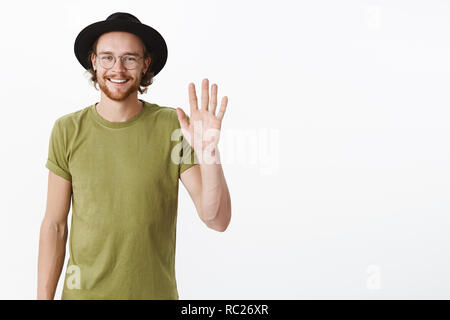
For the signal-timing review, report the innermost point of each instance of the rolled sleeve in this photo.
(57, 160)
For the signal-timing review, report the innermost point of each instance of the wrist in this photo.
(209, 156)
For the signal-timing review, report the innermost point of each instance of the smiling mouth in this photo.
(118, 82)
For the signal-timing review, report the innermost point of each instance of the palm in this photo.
(202, 131)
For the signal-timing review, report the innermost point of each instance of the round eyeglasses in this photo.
(129, 62)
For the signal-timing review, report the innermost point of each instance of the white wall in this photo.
(340, 181)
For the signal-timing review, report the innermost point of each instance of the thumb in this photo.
(182, 118)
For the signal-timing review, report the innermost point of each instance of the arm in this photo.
(208, 189)
(53, 236)
(206, 183)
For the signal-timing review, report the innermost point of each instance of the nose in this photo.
(118, 66)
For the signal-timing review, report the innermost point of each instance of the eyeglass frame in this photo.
(115, 59)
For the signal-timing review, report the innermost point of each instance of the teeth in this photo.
(118, 81)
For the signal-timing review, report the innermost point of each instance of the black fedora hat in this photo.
(122, 21)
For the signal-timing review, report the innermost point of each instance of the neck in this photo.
(119, 111)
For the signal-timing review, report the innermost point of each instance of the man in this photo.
(119, 160)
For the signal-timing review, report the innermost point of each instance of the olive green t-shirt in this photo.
(125, 178)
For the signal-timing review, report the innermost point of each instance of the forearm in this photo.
(216, 202)
(52, 248)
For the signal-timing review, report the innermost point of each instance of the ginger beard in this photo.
(122, 92)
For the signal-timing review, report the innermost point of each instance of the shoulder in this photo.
(163, 110)
(165, 114)
(71, 120)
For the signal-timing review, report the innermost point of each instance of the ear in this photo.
(147, 63)
(93, 61)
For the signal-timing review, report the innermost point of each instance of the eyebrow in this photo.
(126, 53)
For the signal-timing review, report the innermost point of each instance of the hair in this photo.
(147, 78)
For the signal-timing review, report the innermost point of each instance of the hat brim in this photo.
(152, 39)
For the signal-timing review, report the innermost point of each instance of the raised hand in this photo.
(202, 131)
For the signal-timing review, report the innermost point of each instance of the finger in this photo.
(182, 118)
(213, 105)
(223, 108)
(193, 102)
(205, 94)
